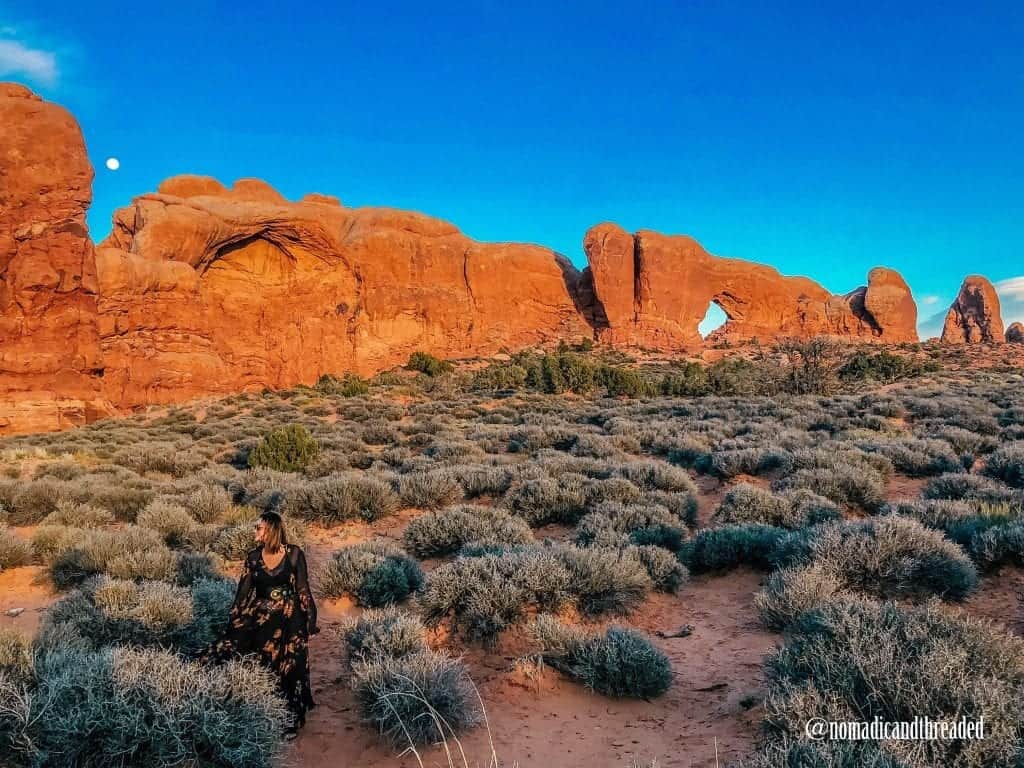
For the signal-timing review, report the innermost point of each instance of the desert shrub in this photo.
(341, 497)
(483, 480)
(76, 515)
(106, 611)
(604, 580)
(485, 595)
(547, 500)
(844, 484)
(383, 633)
(664, 569)
(430, 490)
(918, 458)
(657, 475)
(1007, 464)
(349, 385)
(993, 545)
(720, 549)
(286, 449)
(621, 663)
(172, 522)
(416, 699)
(745, 503)
(15, 663)
(14, 550)
(190, 567)
(94, 708)
(689, 380)
(883, 367)
(374, 573)
(888, 557)
(740, 461)
(612, 524)
(790, 592)
(208, 503)
(32, 501)
(131, 553)
(440, 533)
(965, 486)
(682, 504)
(857, 660)
(428, 364)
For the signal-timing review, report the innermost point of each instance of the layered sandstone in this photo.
(49, 341)
(974, 317)
(1015, 333)
(206, 289)
(653, 290)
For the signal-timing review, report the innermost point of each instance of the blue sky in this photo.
(821, 138)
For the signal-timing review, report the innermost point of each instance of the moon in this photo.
(113, 163)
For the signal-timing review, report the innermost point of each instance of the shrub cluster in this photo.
(620, 663)
(285, 449)
(374, 573)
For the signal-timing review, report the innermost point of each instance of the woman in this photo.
(273, 616)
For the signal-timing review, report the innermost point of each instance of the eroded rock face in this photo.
(653, 290)
(974, 317)
(1015, 334)
(205, 289)
(49, 341)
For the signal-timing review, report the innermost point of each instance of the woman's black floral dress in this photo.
(272, 617)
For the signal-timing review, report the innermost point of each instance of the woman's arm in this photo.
(245, 587)
(305, 594)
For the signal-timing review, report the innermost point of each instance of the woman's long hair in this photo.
(274, 534)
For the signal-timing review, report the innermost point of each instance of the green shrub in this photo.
(720, 549)
(383, 633)
(374, 573)
(286, 449)
(621, 663)
(440, 533)
(349, 385)
(883, 367)
(416, 699)
(428, 364)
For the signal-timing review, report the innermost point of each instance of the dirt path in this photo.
(549, 722)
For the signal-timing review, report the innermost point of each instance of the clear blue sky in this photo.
(821, 138)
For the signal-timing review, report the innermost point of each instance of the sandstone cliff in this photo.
(974, 316)
(201, 289)
(49, 340)
(653, 290)
(207, 289)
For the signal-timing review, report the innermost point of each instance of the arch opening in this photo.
(714, 319)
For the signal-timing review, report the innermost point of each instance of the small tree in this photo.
(812, 365)
(287, 449)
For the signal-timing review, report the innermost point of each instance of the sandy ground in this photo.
(709, 717)
(546, 720)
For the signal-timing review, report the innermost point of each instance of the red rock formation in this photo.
(653, 290)
(49, 341)
(205, 289)
(1015, 333)
(974, 317)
